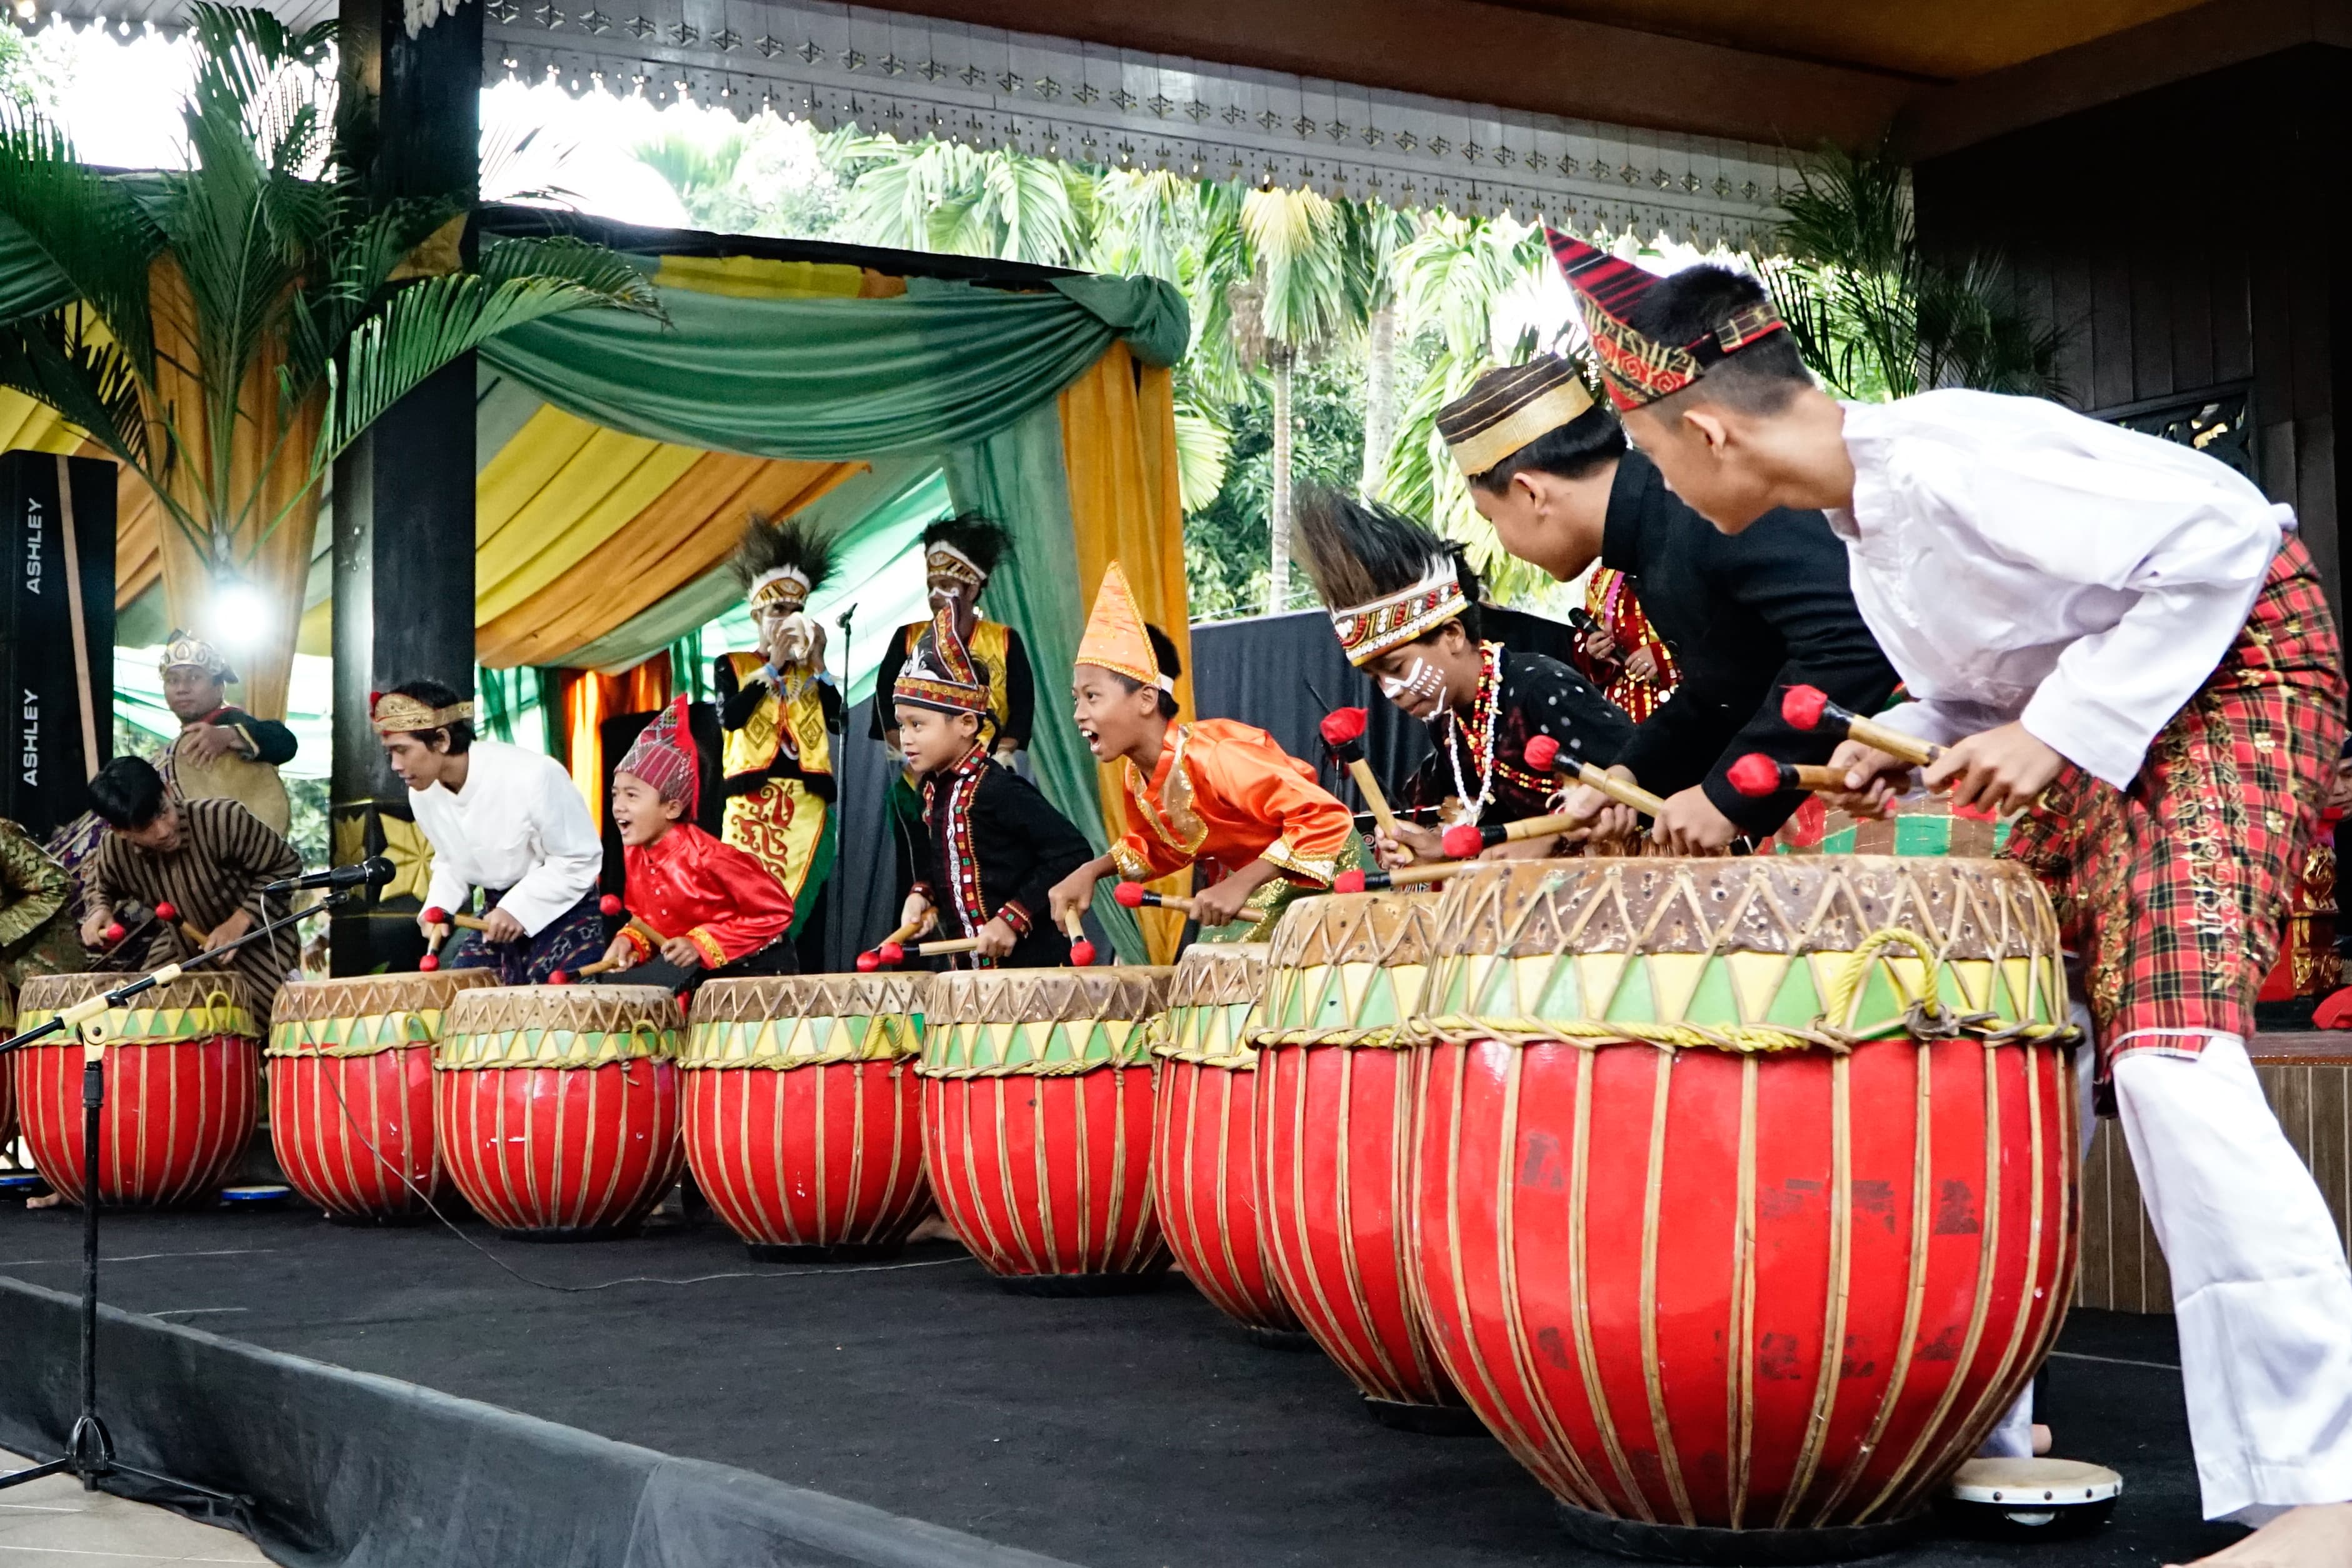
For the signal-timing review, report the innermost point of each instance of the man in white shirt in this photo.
(502, 819)
(2132, 628)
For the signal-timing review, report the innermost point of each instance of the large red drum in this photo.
(1744, 1196)
(558, 1107)
(183, 1088)
(1037, 1124)
(1334, 1132)
(803, 1113)
(350, 1065)
(1203, 1149)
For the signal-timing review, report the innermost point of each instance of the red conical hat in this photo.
(664, 755)
(1640, 369)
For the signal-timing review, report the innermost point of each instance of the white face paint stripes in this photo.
(1424, 679)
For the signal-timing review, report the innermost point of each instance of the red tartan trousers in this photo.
(2174, 893)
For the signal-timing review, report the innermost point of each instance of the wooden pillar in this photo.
(404, 493)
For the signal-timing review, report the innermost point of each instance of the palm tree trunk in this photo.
(1379, 397)
(1278, 357)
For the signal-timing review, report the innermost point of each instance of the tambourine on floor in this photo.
(803, 1113)
(1743, 1190)
(1037, 1099)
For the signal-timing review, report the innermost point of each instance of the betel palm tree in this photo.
(946, 196)
(226, 330)
(1873, 314)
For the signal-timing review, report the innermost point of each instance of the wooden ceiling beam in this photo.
(1482, 53)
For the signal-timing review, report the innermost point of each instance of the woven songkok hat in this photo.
(1386, 580)
(939, 673)
(185, 650)
(1505, 410)
(664, 755)
(1116, 639)
(1641, 370)
(394, 713)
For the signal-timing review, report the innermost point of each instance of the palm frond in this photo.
(85, 226)
(350, 279)
(1202, 446)
(58, 361)
(1295, 237)
(430, 322)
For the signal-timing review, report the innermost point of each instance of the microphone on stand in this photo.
(373, 872)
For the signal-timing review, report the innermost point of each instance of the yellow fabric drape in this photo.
(684, 532)
(755, 277)
(1118, 443)
(278, 565)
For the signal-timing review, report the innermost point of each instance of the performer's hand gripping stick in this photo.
(1343, 732)
(1809, 707)
(1082, 952)
(1135, 895)
(1465, 839)
(891, 952)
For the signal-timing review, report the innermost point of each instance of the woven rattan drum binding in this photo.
(559, 1107)
(350, 1064)
(1744, 1194)
(1203, 1150)
(182, 1087)
(803, 1113)
(1334, 1131)
(1038, 1098)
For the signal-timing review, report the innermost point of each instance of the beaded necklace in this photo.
(1478, 734)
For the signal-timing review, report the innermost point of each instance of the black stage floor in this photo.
(1135, 1432)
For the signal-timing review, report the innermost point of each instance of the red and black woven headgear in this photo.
(1640, 369)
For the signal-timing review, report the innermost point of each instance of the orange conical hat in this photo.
(1115, 640)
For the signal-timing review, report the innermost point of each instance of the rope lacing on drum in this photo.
(1922, 1017)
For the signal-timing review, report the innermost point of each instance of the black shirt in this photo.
(1747, 615)
(991, 831)
(1539, 696)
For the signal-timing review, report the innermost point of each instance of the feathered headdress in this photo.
(783, 560)
(1386, 580)
(939, 673)
(1639, 369)
(965, 549)
(664, 755)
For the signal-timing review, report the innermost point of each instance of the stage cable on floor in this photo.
(430, 1207)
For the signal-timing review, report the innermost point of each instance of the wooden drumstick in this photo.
(1542, 754)
(436, 916)
(1756, 775)
(1809, 707)
(1082, 952)
(1402, 876)
(951, 946)
(891, 950)
(1343, 732)
(602, 965)
(1135, 895)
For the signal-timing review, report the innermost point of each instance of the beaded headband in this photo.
(1368, 630)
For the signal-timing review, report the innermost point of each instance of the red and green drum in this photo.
(1744, 1196)
(803, 1113)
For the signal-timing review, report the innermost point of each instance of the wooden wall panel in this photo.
(2310, 1087)
(2186, 239)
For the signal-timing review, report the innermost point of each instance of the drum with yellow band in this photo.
(558, 1107)
(351, 1089)
(182, 1068)
(1203, 1153)
(1037, 1095)
(1743, 1197)
(1334, 1131)
(803, 1113)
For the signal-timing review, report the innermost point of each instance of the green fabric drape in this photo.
(836, 379)
(1018, 476)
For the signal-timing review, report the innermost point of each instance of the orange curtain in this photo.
(269, 460)
(1118, 443)
(588, 700)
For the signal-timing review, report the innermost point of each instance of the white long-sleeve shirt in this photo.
(2019, 561)
(518, 825)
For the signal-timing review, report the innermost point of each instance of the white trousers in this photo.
(2262, 1296)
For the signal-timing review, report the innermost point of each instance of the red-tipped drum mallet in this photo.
(436, 916)
(610, 907)
(1465, 839)
(1343, 732)
(1756, 775)
(570, 977)
(888, 953)
(1402, 876)
(1082, 952)
(1135, 895)
(1809, 707)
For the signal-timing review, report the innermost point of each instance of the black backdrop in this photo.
(1257, 670)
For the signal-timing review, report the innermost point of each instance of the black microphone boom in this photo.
(373, 872)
